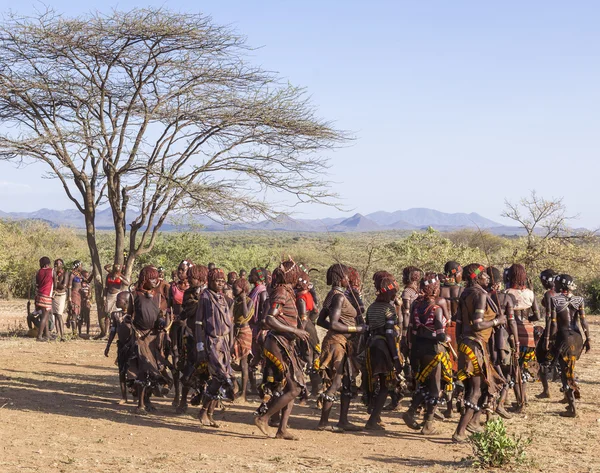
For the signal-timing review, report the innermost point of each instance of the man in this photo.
(214, 341)
(44, 289)
(569, 344)
(476, 318)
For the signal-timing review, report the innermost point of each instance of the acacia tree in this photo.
(545, 223)
(154, 112)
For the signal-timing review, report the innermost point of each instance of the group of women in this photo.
(458, 339)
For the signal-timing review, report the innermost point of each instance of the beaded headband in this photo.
(389, 287)
(477, 272)
(427, 282)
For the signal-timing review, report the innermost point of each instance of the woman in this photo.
(180, 286)
(147, 364)
(430, 355)
(243, 312)
(76, 281)
(193, 376)
(59, 300)
(283, 378)
(311, 350)
(382, 356)
(115, 283)
(259, 295)
(338, 316)
(526, 311)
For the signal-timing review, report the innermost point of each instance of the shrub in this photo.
(494, 447)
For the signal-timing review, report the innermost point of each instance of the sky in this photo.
(455, 106)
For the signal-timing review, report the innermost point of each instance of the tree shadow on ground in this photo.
(87, 401)
(418, 462)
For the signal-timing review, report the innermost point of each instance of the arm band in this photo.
(479, 311)
(352, 329)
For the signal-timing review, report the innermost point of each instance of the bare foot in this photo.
(459, 438)
(448, 413)
(140, 411)
(285, 436)
(150, 407)
(474, 428)
(175, 402)
(348, 427)
(543, 395)
(410, 421)
(263, 425)
(181, 409)
(374, 427)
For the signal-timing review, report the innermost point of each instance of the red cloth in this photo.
(308, 300)
(44, 282)
(177, 294)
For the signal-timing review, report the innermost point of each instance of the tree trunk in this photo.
(90, 230)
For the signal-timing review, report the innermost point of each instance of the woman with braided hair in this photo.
(259, 295)
(192, 376)
(214, 341)
(147, 363)
(338, 316)
(243, 312)
(476, 318)
(283, 379)
(543, 350)
(174, 304)
(311, 350)
(526, 312)
(382, 356)
(411, 276)
(429, 353)
(504, 344)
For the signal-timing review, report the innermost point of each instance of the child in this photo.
(123, 331)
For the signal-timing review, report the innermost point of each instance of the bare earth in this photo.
(58, 413)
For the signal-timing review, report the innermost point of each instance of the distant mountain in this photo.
(357, 223)
(432, 218)
(411, 219)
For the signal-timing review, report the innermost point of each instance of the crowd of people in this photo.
(458, 342)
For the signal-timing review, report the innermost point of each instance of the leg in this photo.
(60, 330)
(43, 325)
(262, 422)
(141, 395)
(374, 420)
(244, 366)
(434, 387)
(282, 431)
(343, 423)
(472, 395)
(328, 398)
(123, 386)
(209, 404)
(409, 415)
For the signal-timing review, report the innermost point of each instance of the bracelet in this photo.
(352, 329)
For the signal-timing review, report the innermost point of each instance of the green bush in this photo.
(494, 447)
(592, 295)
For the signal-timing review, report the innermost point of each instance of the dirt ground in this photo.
(58, 414)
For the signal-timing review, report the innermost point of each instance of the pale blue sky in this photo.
(443, 97)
